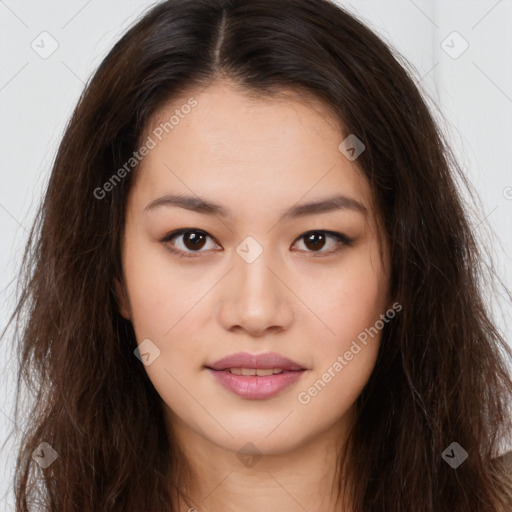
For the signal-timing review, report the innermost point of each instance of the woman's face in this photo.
(249, 276)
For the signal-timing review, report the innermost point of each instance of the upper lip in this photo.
(261, 361)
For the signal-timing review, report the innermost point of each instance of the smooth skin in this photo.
(257, 158)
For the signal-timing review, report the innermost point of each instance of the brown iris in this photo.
(194, 240)
(314, 241)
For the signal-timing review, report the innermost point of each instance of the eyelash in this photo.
(342, 239)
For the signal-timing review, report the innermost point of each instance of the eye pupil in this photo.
(195, 239)
(315, 240)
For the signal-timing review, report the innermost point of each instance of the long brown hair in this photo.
(441, 374)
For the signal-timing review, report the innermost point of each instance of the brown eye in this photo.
(192, 241)
(315, 241)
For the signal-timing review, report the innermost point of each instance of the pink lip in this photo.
(253, 386)
(262, 361)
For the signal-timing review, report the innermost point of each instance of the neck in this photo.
(302, 478)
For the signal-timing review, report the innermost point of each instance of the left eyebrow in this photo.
(201, 205)
(328, 204)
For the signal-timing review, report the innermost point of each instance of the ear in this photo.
(122, 300)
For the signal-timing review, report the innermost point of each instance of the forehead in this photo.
(248, 148)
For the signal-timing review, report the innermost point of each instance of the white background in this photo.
(473, 92)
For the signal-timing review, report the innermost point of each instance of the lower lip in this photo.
(255, 387)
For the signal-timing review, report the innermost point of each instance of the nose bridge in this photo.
(255, 281)
(256, 299)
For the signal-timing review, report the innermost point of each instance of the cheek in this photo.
(345, 358)
(349, 298)
(349, 303)
(164, 303)
(160, 294)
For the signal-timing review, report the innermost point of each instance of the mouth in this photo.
(256, 376)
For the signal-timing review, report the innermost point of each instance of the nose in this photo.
(255, 297)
